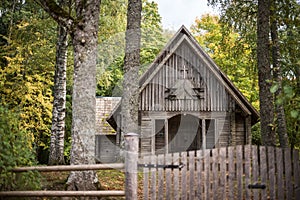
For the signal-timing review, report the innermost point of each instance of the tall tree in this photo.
(56, 155)
(131, 67)
(130, 100)
(83, 29)
(264, 73)
(277, 73)
(243, 15)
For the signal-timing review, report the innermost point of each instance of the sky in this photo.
(175, 13)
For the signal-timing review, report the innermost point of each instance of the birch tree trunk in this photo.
(56, 155)
(264, 73)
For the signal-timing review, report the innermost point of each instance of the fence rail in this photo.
(70, 167)
(241, 172)
(130, 168)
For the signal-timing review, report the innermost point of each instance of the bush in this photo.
(15, 150)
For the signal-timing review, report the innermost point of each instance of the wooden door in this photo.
(184, 133)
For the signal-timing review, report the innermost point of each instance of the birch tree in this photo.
(56, 155)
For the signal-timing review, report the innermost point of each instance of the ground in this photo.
(109, 179)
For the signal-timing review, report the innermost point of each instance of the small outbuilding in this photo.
(187, 103)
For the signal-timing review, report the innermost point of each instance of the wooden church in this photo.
(186, 103)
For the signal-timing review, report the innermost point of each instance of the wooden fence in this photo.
(129, 167)
(241, 172)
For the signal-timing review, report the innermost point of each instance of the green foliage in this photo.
(16, 150)
(241, 15)
(26, 79)
(112, 43)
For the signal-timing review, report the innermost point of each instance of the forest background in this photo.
(28, 38)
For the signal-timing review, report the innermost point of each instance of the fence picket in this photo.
(176, 177)
(271, 171)
(207, 175)
(255, 171)
(223, 181)
(288, 173)
(184, 185)
(247, 170)
(168, 161)
(153, 178)
(146, 179)
(279, 179)
(239, 169)
(215, 171)
(296, 173)
(231, 167)
(199, 188)
(160, 177)
(263, 170)
(192, 174)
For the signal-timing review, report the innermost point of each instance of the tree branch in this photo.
(61, 16)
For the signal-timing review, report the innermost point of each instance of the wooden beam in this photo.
(61, 193)
(70, 167)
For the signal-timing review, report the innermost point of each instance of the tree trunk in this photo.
(56, 155)
(130, 99)
(279, 109)
(264, 74)
(84, 33)
(131, 67)
(84, 38)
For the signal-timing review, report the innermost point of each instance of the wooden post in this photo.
(131, 159)
(203, 135)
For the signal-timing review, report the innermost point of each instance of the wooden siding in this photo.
(218, 132)
(184, 64)
(240, 129)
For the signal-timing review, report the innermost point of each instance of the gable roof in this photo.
(184, 36)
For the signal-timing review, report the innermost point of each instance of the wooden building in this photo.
(188, 103)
